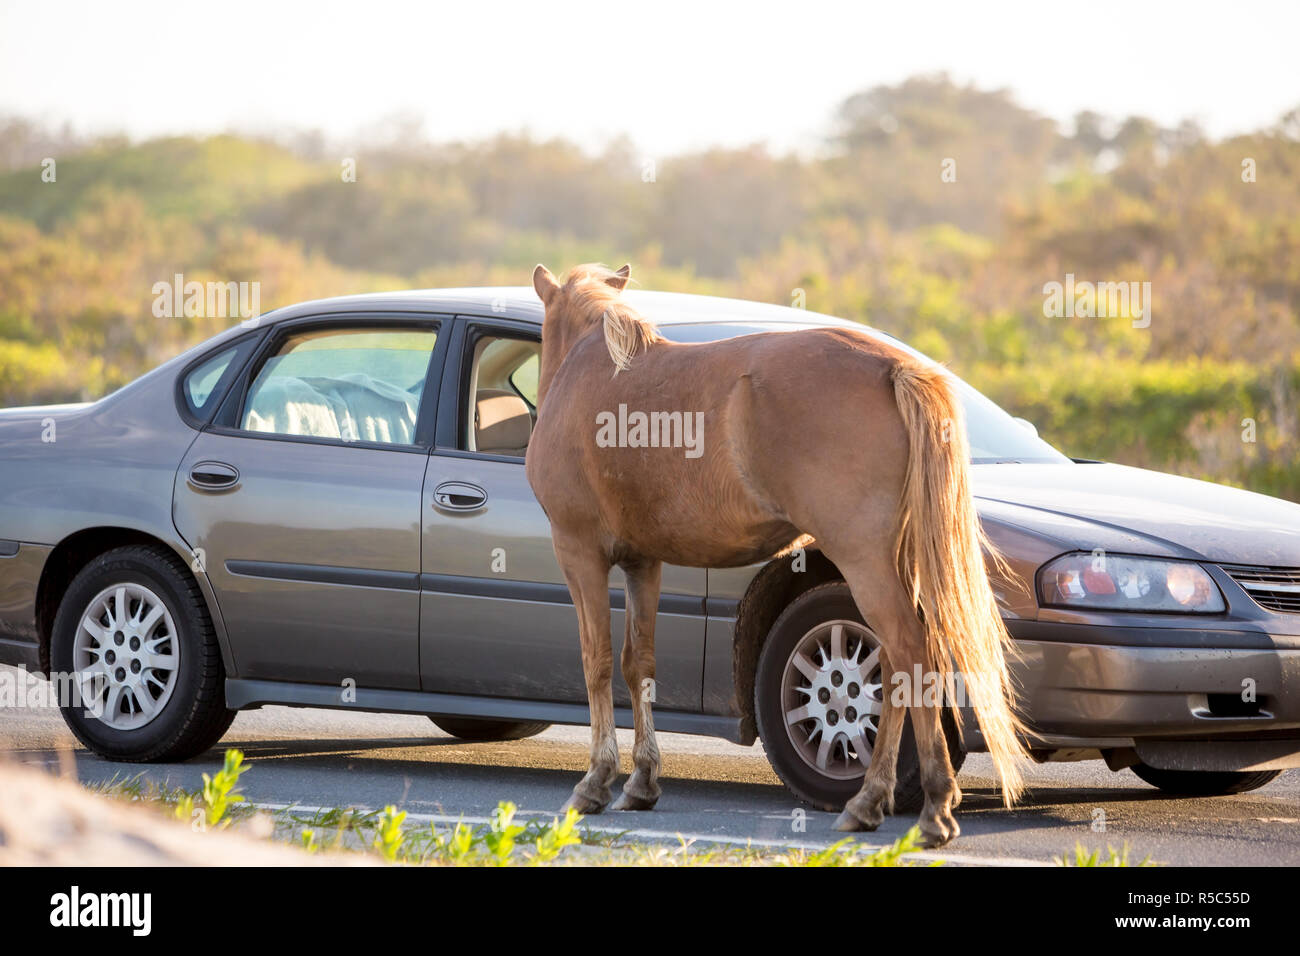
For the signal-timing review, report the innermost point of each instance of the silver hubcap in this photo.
(126, 656)
(831, 695)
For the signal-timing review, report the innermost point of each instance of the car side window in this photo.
(348, 385)
(500, 403)
(203, 379)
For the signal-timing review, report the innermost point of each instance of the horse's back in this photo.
(711, 454)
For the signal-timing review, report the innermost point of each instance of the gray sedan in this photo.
(327, 507)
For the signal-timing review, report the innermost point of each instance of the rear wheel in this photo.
(480, 729)
(817, 696)
(145, 678)
(1205, 783)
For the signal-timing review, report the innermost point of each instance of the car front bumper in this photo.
(1181, 698)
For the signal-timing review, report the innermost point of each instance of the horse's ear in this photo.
(544, 283)
(619, 279)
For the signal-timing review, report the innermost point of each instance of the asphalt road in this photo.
(713, 791)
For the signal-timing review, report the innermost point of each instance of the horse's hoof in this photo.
(584, 805)
(930, 841)
(846, 822)
(947, 832)
(629, 801)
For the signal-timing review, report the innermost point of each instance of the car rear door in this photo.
(302, 500)
(496, 616)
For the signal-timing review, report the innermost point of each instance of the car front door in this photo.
(496, 616)
(302, 501)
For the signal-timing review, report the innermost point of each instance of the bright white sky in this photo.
(672, 75)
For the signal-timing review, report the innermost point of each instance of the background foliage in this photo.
(863, 224)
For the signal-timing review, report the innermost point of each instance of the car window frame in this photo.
(226, 421)
(452, 414)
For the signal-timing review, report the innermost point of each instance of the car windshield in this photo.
(995, 437)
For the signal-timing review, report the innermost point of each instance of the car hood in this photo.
(1131, 510)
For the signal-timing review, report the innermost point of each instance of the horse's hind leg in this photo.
(883, 601)
(641, 791)
(938, 780)
(867, 809)
(587, 572)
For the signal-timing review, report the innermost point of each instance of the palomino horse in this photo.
(824, 434)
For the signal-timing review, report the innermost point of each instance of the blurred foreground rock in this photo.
(47, 821)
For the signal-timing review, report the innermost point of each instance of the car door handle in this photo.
(214, 476)
(459, 496)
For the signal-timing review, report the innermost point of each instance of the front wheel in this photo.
(817, 696)
(135, 652)
(1205, 783)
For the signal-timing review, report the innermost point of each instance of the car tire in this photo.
(480, 730)
(1205, 783)
(814, 609)
(187, 696)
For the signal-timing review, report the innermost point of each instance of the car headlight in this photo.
(1117, 583)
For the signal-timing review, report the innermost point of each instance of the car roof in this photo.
(521, 303)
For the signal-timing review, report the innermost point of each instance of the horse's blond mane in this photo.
(626, 331)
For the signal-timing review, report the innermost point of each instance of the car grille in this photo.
(1277, 589)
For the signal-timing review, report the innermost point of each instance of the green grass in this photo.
(219, 791)
(1085, 857)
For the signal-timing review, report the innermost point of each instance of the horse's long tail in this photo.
(940, 561)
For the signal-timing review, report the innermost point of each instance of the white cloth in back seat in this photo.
(352, 407)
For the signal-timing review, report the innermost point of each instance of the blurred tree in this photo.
(935, 211)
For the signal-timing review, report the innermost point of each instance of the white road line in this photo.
(676, 837)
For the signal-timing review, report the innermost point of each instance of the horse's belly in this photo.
(716, 533)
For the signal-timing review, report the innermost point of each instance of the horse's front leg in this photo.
(587, 572)
(641, 791)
